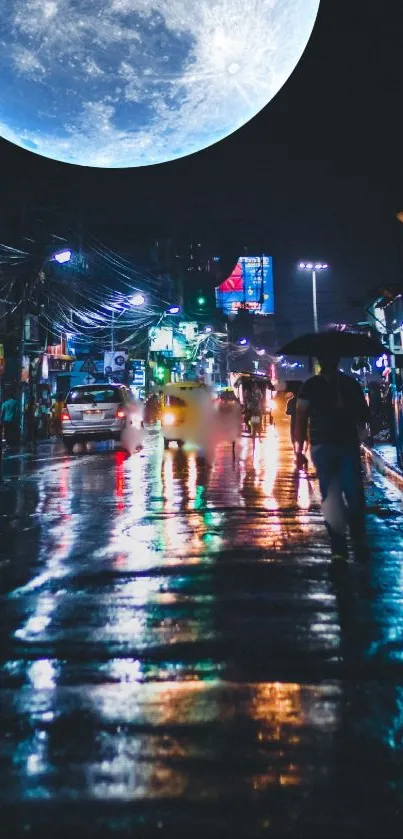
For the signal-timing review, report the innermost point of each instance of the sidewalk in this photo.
(18, 462)
(384, 458)
(23, 448)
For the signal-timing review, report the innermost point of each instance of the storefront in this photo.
(56, 369)
(386, 313)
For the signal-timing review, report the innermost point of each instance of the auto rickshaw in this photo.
(226, 400)
(181, 411)
(243, 386)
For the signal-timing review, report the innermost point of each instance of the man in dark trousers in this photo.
(32, 421)
(291, 411)
(334, 407)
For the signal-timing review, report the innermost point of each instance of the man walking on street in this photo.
(334, 407)
(9, 420)
(57, 414)
(291, 411)
(32, 418)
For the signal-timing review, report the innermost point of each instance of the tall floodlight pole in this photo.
(314, 302)
(313, 269)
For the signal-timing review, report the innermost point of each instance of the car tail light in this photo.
(120, 414)
(65, 414)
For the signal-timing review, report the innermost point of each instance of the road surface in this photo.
(179, 658)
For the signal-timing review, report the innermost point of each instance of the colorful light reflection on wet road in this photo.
(174, 634)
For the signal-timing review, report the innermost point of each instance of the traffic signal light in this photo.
(160, 374)
(201, 301)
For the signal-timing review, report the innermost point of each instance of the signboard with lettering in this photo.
(161, 339)
(138, 369)
(189, 329)
(115, 361)
(31, 330)
(249, 287)
(25, 369)
(55, 349)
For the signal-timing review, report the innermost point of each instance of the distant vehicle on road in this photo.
(183, 412)
(227, 399)
(97, 412)
(244, 385)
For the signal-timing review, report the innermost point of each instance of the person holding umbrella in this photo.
(334, 408)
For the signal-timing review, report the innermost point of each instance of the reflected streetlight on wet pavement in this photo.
(174, 634)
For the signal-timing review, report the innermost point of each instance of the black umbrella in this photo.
(341, 344)
(293, 386)
(248, 378)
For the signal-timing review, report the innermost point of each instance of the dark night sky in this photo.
(317, 174)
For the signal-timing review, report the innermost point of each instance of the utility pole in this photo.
(21, 361)
(227, 353)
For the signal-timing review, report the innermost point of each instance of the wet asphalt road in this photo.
(179, 658)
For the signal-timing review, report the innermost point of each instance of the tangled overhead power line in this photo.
(78, 304)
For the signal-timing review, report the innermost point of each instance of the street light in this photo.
(242, 342)
(62, 257)
(313, 268)
(208, 329)
(137, 299)
(173, 310)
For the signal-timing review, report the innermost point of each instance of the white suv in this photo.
(95, 412)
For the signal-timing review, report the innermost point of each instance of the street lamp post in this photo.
(137, 300)
(61, 257)
(313, 268)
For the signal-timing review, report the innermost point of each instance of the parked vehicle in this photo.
(96, 412)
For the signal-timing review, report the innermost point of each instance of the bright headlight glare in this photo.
(168, 419)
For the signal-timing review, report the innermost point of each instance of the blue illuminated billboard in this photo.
(249, 287)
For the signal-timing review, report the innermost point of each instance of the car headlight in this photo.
(168, 419)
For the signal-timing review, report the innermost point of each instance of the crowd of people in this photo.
(42, 419)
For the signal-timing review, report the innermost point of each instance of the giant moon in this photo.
(121, 83)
